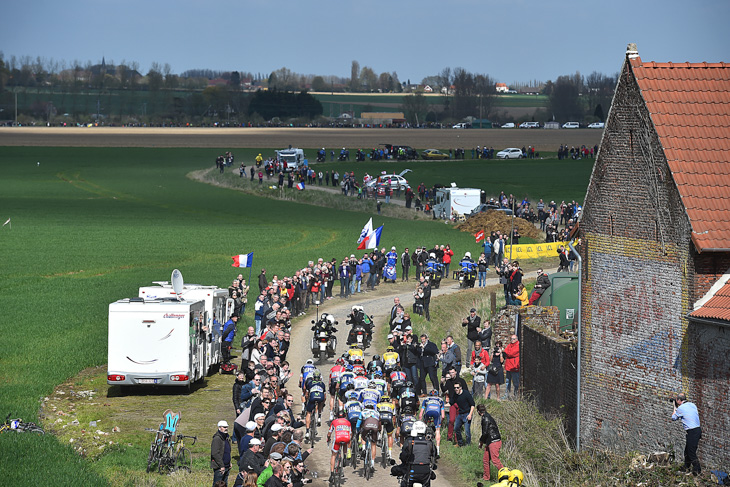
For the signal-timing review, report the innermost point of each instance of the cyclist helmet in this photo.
(376, 358)
(407, 409)
(350, 386)
(378, 373)
(385, 398)
(409, 384)
(503, 474)
(397, 368)
(341, 413)
(516, 476)
(371, 384)
(317, 374)
(353, 346)
(369, 406)
(390, 348)
(340, 361)
(433, 392)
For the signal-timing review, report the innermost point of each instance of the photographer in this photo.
(503, 271)
(687, 412)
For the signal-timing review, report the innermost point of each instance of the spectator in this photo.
(492, 440)
(456, 350)
(465, 403)
(479, 374)
(482, 268)
(220, 453)
(448, 383)
(428, 353)
(472, 324)
(542, 283)
(512, 365)
(495, 371)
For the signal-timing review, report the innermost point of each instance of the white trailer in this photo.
(294, 159)
(451, 201)
(157, 342)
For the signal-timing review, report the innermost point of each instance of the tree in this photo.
(274, 103)
(319, 84)
(354, 76)
(385, 83)
(368, 79)
(564, 102)
(600, 88)
(235, 80)
(414, 108)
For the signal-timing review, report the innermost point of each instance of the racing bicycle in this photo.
(20, 426)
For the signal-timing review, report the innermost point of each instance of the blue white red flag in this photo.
(242, 260)
(300, 186)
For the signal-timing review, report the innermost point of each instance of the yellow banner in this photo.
(532, 251)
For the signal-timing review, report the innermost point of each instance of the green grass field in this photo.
(90, 226)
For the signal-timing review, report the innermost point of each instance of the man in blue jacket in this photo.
(229, 331)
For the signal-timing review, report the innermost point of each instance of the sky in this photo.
(510, 40)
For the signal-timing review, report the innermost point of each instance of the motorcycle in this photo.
(467, 276)
(359, 335)
(434, 277)
(324, 341)
(360, 157)
(321, 156)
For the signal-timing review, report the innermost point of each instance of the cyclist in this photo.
(370, 396)
(387, 420)
(370, 425)
(397, 381)
(335, 373)
(390, 359)
(376, 361)
(432, 408)
(343, 435)
(346, 379)
(408, 396)
(306, 371)
(360, 380)
(317, 392)
(373, 369)
(406, 420)
(380, 383)
(353, 409)
(355, 355)
(351, 394)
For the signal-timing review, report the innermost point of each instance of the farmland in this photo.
(91, 224)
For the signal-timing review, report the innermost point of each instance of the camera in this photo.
(673, 400)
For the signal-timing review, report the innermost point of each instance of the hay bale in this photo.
(491, 221)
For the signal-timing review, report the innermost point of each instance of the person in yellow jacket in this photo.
(259, 160)
(521, 295)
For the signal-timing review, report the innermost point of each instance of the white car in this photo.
(395, 180)
(530, 125)
(571, 125)
(596, 125)
(508, 125)
(461, 125)
(510, 153)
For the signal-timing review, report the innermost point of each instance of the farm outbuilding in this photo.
(655, 232)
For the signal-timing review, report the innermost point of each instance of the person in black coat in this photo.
(428, 352)
(263, 282)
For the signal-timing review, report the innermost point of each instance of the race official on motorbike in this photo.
(417, 457)
(326, 323)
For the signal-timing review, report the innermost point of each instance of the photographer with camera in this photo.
(687, 412)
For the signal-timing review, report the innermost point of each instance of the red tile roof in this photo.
(689, 105)
(717, 307)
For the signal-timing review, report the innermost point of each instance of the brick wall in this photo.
(548, 367)
(640, 279)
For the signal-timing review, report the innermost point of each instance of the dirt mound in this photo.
(491, 221)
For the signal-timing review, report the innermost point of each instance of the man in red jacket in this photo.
(512, 364)
(448, 254)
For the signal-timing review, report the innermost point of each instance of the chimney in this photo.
(632, 52)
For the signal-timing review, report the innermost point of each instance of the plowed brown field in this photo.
(309, 138)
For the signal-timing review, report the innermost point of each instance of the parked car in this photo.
(508, 125)
(530, 125)
(571, 125)
(461, 125)
(434, 154)
(489, 207)
(395, 180)
(596, 125)
(510, 153)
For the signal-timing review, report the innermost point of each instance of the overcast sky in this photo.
(511, 40)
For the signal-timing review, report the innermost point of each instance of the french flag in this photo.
(242, 260)
(300, 186)
(372, 240)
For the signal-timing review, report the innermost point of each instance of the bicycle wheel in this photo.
(167, 462)
(312, 430)
(152, 457)
(183, 460)
(368, 460)
(383, 449)
(30, 428)
(355, 452)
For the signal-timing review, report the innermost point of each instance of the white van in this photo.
(571, 125)
(530, 125)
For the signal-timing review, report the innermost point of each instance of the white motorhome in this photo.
(292, 159)
(157, 342)
(451, 201)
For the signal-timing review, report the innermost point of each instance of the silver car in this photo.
(510, 153)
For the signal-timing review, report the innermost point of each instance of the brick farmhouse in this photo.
(655, 232)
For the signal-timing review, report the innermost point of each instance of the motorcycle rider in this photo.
(417, 458)
(325, 324)
(359, 318)
(434, 267)
(468, 268)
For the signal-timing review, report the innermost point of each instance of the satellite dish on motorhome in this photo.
(177, 283)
